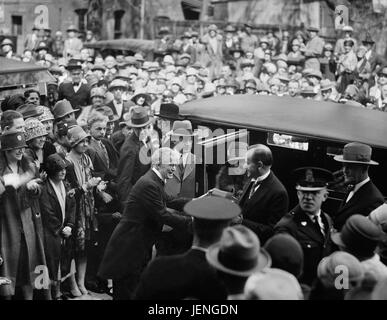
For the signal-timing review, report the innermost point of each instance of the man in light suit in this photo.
(313, 50)
(72, 45)
(264, 200)
(182, 184)
(364, 196)
(130, 247)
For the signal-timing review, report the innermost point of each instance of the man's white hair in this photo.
(165, 156)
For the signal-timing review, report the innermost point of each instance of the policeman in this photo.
(307, 222)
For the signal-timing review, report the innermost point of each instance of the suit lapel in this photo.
(355, 198)
(260, 192)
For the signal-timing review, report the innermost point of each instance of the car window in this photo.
(287, 141)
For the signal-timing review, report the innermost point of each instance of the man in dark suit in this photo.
(363, 196)
(307, 223)
(76, 91)
(135, 153)
(105, 160)
(375, 60)
(130, 247)
(189, 275)
(264, 199)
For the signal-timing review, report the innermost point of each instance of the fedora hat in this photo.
(238, 252)
(34, 129)
(12, 140)
(74, 64)
(139, 118)
(108, 112)
(76, 134)
(100, 67)
(212, 208)
(30, 110)
(62, 108)
(356, 152)
(230, 29)
(118, 83)
(168, 110)
(359, 236)
(41, 46)
(72, 28)
(182, 128)
(313, 29)
(368, 39)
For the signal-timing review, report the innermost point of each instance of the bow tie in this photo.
(75, 84)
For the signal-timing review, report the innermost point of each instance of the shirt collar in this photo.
(261, 178)
(318, 214)
(158, 174)
(360, 184)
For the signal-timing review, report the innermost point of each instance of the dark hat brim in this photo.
(132, 125)
(263, 261)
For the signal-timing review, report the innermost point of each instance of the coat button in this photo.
(37, 215)
(308, 246)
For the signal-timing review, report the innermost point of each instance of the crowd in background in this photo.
(76, 197)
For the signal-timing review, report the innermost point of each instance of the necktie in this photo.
(253, 187)
(105, 153)
(351, 190)
(319, 224)
(181, 168)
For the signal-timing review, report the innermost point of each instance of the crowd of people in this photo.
(95, 194)
(229, 61)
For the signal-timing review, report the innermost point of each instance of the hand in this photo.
(71, 193)
(167, 228)
(101, 186)
(33, 185)
(4, 281)
(43, 175)
(105, 197)
(116, 216)
(66, 231)
(237, 220)
(93, 182)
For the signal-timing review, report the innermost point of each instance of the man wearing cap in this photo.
(346, 65)
(72, 45)
(189, 275)
(313, 49)
(347, 32)
(135, 153)
(307, 223)
(143, 219)
(118, 105)
(7, 49)
(164, 43)
(229, 42)
(236, 257)
(375, 60)
(264, 199)
(363, 196)
(249, 41)
(76, 91)
(32, 39)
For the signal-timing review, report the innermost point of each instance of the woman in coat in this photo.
(58, 213)
(21, 230)
(79, 176)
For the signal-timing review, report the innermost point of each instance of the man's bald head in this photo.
(260, 152)
(259, 160)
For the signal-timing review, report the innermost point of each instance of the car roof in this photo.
(295, 116)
